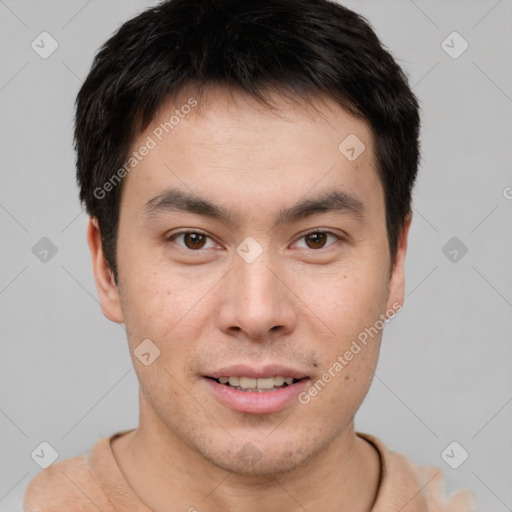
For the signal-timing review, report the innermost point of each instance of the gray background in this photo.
(444, 372)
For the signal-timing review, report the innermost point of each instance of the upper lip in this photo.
(244, 370)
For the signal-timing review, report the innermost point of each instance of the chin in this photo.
(262, 458)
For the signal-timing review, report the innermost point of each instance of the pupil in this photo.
(316, 236)
(197, 243)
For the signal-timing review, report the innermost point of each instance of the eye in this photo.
(317, 239)
(192, 240)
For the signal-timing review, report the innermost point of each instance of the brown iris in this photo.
(318, 240)
(194, 240)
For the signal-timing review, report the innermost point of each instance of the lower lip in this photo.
(256, 402)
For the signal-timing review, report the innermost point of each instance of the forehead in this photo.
(226, 142)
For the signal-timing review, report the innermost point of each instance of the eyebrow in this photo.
(179, 200)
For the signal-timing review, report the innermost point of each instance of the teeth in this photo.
(248, 383)
(279, 381)
(234, 381)
(245, 382)
(265, 383)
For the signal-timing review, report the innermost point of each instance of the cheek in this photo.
(152, 295)
(351, 306)
(161, 311)
(170, 310)
(347, 300)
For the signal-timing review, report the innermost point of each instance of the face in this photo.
(252, 248)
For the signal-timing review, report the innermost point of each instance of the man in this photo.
(248, 168)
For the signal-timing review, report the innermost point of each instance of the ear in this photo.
(105, 283)
(397, 282)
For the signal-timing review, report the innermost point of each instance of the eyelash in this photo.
(172, 237)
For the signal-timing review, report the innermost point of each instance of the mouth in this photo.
(248, 390)
(257, 385)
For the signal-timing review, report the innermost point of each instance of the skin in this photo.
(301, 303)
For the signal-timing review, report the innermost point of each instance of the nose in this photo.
(257, 302)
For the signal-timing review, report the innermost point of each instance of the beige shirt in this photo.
(93, 481)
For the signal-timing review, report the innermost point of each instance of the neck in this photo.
(164, 471)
